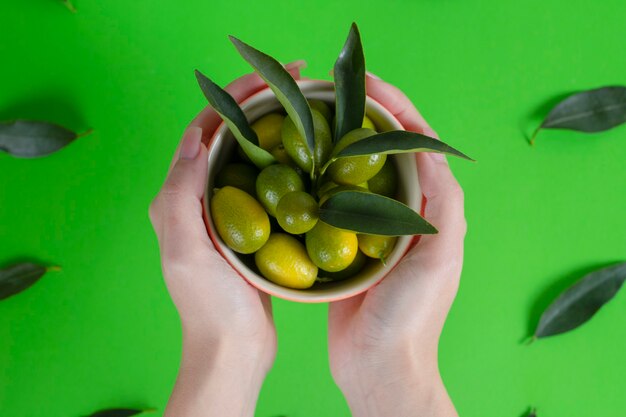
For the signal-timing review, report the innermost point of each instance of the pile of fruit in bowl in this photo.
(310, 192)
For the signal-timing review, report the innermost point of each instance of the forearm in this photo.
(400, 388)
(216, 378)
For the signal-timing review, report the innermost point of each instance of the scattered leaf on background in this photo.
(69, 5)
(285, 88)
(17, 278)
(394, 142)
(588, 111)
(581, 301)
(365, 212)
(32, 139)
(349, 75)
(120, 412)
(228, 109)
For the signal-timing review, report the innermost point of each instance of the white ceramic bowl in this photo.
(222, 146)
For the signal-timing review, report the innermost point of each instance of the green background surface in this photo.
(104, 333)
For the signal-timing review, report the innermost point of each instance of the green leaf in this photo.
(349, 74)
(394, 142)
(228, 109)
(120, 412)
(398, 141)
(588, 111)
(581, 301)
(32, 139)
(285, 88)
(364, 212)
(19, 277)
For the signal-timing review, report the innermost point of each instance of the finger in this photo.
(176, 212)
(444, 208)
(398, 104)
(240, 89)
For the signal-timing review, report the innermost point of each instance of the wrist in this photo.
(217, 376)
(398, 381)
(228, 353)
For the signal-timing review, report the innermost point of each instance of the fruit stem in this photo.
(529, 340)
(85, 133)
(532, 138)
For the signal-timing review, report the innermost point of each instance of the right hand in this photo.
(383, 343)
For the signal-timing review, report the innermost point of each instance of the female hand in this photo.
(383, 343)
(229, 340)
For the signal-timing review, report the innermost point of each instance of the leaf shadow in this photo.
(553, 290)
(534, 118)
(528, 412)
(54, 107)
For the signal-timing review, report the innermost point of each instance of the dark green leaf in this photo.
(581, 301)
(228, 109)
(120, 412)
(364, 212)
(349, 74)
(16, 278)
(399, 141)
(285, 88)
(30, 139)
(588, 111)
(393, 142)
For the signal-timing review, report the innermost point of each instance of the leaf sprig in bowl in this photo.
(311, 193)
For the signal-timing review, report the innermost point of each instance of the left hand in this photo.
(229, 339)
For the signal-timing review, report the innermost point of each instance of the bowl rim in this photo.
(316, 86)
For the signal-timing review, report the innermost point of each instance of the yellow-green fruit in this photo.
(284, 261)
(323, 108)
(334, 190)
(386, 181)
(240, 220)
(377, 246)
(274, 182)
(280, 154)
(354, 268)
(326, 187)
(267, 129)
(367, 123)
(296, 146)
(242, 176)
(354, 170)
(330, 248)
(297, 212)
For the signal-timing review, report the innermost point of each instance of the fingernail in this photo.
(371, 75)
(191, 143)
(299, 64)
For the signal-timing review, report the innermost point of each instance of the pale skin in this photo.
(382, 344)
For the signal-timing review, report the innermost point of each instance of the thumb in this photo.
(176, 212)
